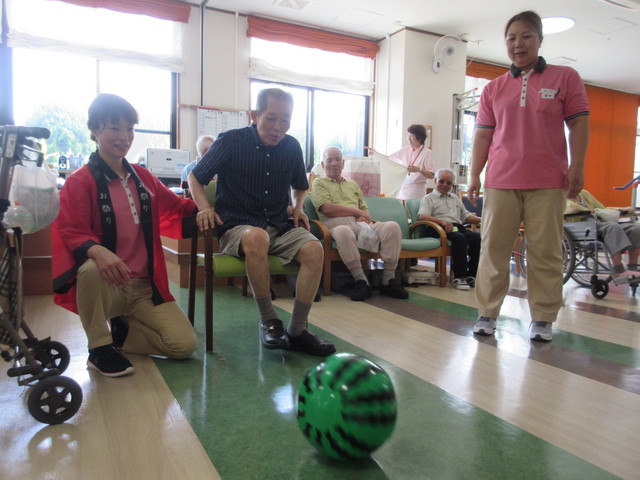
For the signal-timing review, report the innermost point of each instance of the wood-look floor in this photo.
(133, 427)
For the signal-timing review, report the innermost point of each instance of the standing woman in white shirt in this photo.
(417, 158)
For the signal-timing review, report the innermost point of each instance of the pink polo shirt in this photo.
(130, 245)
(528, 114)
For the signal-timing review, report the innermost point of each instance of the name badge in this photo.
(548, 93)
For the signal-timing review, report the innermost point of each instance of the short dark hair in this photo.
(267, 93)
(419, 132)
(529, 17)
(109, 108)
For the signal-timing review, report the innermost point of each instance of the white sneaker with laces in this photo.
(461, 284)
(541, 331)
(484, 326)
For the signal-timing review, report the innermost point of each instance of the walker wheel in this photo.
(51, 354)
(54, 399)
(599, 288)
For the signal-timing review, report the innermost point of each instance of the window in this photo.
(331, 94)
(57, 98)
(59, 67)
(322, 119)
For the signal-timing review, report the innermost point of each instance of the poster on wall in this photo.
(213, 121)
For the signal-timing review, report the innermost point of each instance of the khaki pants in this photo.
(541, 212)
(344, 231)
(153, 329)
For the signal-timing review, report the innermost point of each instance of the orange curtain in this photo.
(310, 37)
(484, 70)
(612, 144)
(163, 9)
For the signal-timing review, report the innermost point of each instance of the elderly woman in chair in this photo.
(617, 237)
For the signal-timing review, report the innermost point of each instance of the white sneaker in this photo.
(471, 281)
(484, 326)
(541, 331)
(461, 284)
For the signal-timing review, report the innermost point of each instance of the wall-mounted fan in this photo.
(446, 50)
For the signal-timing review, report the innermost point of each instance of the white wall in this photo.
(413, 93)
(226, 60)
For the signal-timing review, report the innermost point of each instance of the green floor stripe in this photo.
(241, 402)
(579, 343)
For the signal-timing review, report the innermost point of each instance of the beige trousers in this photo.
(541, 212)
(344, 231)
(153, 329)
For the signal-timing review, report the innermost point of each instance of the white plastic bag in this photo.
(368, 239)
(34, 190)
(365, 171)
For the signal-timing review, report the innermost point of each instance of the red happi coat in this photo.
(79, 226)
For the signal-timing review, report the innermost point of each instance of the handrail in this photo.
(631, 182)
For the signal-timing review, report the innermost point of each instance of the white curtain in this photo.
(310, 67)
(96, 32)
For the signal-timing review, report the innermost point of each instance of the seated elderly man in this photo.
(340, 205)
(448, 211)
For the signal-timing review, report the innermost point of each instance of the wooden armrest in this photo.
(428, 223)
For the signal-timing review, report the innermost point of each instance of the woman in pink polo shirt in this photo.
(520, 138)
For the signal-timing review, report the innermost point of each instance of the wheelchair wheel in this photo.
(585, 265)
(51, 354)
(599, 288)
(54, 399)
(520, 256)
(568, 257)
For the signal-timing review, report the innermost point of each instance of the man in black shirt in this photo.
(257, 168)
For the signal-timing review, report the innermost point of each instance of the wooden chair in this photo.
(216, 265)
(384, 209)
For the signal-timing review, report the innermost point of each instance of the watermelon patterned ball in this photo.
(346, 406)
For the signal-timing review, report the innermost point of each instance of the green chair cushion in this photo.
(419, 244)
(230, 266)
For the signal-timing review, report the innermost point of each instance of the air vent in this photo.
(295, 4)
(628, 4)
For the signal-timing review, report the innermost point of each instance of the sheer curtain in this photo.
(292, 54)
(101, 32)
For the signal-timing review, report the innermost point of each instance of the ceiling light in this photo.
(556, 24)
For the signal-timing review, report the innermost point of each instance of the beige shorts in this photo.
(285, 246)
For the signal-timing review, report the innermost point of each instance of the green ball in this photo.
(346, 406)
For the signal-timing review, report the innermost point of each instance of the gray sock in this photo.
(265, 307)
(299, 318)
(388, 274)
(618, 268)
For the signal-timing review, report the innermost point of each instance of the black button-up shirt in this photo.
(254, 180)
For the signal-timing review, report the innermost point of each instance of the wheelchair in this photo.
(585, 257)
(591, 261)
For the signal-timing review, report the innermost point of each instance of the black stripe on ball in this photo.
(343, 370)
(354, 442)
(370, 419)
(369, 398)
(337, 448)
